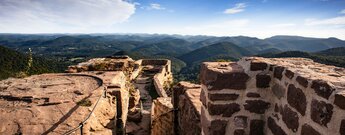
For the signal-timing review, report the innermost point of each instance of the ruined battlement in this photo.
(162, 74)
(255, 96)
(279, 96)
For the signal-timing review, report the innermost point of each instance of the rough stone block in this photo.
(227, 110)
(235, 81)
(256, 106)
(339, 100)
(218, 127)
(240, 121)
(296, 98)
(263, 80)
(257, 127)
(218, 79)
(278, 91)
(308, 130)
(302, 81)
(278, 72)
(253, 95)
(321, 112)
(322, 88)
(222, 97)
(290, 118)
(274, 127)
(256, 66)
(289, 74)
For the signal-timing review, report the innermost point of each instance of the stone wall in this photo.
(162, 116)
(187, 106)
(121, 63)
(258, 96)
(163, 78)
(119, 91)
(136, 70)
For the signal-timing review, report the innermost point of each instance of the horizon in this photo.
(258, 18)
(161, 34)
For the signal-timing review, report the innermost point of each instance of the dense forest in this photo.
(53, 53)
(16, 64)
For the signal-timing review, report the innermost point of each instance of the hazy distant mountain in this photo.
(159, 43)
(285, 43)
(241, 41)
(335, 60)
(167, 46)
(288, 43)
(215, 50)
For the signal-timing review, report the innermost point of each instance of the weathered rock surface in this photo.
(56, 103)
(162, 120)
(188, 109)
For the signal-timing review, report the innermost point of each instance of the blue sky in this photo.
(257, 18)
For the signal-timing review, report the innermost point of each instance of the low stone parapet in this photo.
(187, 107)
(162, 116)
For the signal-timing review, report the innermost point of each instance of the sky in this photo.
(255, 18)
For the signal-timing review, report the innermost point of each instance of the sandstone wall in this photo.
(120, 93)
(260, 96)
(163, 77)
(136, 70)
(158, 82)
(187, 105)
(122, 63)
(162, 116)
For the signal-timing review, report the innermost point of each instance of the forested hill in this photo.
(213, 51)
(15, 64)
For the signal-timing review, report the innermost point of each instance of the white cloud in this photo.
(239, 7)
(283, 25)
(62, 15)
(342, 11)
(330, 21)
(154, 6)
(136, 3)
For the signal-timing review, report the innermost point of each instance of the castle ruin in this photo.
(254, 96)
